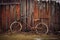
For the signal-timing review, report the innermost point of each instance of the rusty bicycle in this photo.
(39, 28)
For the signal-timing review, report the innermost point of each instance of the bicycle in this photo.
(39, 28)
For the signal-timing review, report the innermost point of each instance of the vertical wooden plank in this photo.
(56, 22)
(36, 11)
(18, 11)
(0, 18)
(31, 13)
(3, 18)
(52, 6)
(15, 14)
(23, 13)
(7, 17)
(48, 12)
(28, 12)
(12, 13)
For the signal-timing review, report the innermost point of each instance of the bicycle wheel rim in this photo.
(45, 26)
(13, 24)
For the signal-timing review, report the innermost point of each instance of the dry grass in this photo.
(28, 36)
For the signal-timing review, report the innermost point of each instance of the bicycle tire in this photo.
(45, 26)
(13, 24)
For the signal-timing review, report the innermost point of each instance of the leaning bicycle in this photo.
(40, 28)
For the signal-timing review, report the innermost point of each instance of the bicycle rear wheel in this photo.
(41, 28)
(15, 27)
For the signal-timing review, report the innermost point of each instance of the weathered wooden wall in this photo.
(8, 15)
(27, 11)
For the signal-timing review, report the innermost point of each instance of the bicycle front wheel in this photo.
(42, 28)
(15, 27)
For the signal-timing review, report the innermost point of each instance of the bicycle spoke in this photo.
(15, 27)
(42, 28)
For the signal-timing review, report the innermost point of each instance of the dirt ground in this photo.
(28, 36)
